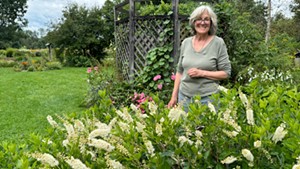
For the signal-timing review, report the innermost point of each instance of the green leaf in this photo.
(167, 56)
(171, 60)
(263, 103)
(166, 74)
(161, 63)
(168, 80)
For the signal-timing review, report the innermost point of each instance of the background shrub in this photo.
(7, 63)
(10, 52)
(53, 65)
(2, 53)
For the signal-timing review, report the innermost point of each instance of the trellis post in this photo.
(176, 37)
(131, 38)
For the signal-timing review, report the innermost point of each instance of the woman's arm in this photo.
(214, 75)
(173, 100)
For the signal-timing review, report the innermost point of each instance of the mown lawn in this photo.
(26, 98)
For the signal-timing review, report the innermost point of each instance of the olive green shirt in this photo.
(213, 57)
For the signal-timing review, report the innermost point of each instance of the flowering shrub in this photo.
(139, 99)
(254, 126)
(249, 74)
(29, 64)
(104, 78)
(157, 76)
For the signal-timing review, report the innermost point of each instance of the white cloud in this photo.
(41, 13)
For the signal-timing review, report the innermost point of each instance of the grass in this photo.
(26, 98)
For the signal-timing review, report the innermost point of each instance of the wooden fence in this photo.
(136, 35)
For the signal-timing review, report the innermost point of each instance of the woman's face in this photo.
(202, 24)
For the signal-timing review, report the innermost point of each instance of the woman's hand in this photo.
(172, 102)
(213, 75)
(194, 72)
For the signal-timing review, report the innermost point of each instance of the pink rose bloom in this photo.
(173, 77)
(159, 86)
(157, 77)
(89, 70)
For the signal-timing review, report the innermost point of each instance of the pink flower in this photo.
(142, 95)
(142, 100)
(157, 77)
(95, 68)
(173, 77)
(89, 70)
(159, 86)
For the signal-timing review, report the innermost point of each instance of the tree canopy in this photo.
(82, 32)
(11, 21)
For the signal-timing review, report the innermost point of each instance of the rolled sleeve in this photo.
(223, 60)
(179, 65)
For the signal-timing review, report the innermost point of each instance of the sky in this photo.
(40, 13)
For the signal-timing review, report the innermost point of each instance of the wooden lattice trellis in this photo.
(136, 35)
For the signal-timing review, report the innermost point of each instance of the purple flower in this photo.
(157, 77)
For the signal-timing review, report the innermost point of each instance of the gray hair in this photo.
(198, 12)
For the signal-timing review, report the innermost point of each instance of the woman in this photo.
(203, 60)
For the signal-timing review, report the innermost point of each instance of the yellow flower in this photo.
(229, 160)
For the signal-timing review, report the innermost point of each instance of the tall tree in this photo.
(269, 19)
(256, 9)
(108, 19)
(11, 21)
(296, 9)
(81, 31)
